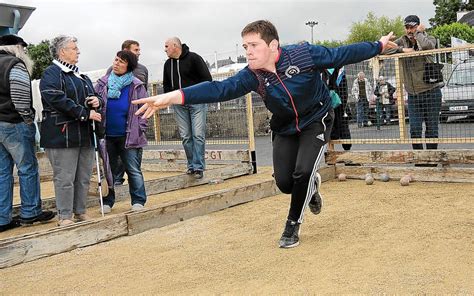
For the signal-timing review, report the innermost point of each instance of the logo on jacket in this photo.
(320, 137)
(292, 70)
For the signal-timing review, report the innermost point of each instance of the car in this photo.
(458, 92)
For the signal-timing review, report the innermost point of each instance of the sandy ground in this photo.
(374, 239)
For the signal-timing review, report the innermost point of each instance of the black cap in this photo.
(12, 40)
(412, 20)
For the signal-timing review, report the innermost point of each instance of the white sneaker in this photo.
(137, 207)
(107, 209)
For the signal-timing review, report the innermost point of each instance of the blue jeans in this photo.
(17, 146)
(362, 111)
(131, 160)
(191, 120)
(424, 107)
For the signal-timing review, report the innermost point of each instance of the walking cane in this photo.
(99, 179)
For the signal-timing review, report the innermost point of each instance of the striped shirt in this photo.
(20, 91)
(70, 66)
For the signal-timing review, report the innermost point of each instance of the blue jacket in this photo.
(295, 94)
(66, 121)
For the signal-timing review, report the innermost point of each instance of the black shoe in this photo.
(290, 238)
(316, 202)
(427, 165)
(119, 182)
(190, 172)
(11, 225)
(43, 217)
(198, 174)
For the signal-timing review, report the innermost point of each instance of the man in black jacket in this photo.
(185, 68)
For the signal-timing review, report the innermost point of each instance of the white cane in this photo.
(99, 179)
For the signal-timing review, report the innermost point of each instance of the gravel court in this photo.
(382, 238)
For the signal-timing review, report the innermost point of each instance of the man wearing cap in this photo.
(17, 136)
(424, 99)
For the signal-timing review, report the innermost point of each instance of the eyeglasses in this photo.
(409, 27)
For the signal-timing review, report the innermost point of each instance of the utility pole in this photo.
(311, 24)
(236, 52)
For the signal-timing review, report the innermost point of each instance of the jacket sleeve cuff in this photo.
(380, 46)
(182, 96)
(85, 114)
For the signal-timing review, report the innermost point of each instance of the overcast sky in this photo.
(205, 26)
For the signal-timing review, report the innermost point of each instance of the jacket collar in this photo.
(64, 68)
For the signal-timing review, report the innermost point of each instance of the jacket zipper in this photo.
(172, 76)
(292, 102)
(179, 74)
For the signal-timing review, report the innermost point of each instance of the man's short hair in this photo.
(127, 43)
(266, 29)
(130, 58)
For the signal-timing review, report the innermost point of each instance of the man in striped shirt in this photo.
(17, 137)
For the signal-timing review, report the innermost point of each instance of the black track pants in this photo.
(296, 159)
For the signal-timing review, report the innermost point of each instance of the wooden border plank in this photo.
(455, 175)
(210, 155)
(327, 173)
(58, 240)
(459, 156)
(163, 184)
(398, 141)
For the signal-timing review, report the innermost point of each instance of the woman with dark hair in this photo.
(124, 131)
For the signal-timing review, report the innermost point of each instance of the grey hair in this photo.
(19, 52)
(59, 43)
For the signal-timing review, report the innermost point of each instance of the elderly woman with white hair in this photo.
(70, 105)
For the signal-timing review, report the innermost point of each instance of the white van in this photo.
(458, 93)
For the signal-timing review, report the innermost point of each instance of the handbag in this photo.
(433, 73)
(335, 99)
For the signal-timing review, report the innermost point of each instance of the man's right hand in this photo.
(386, 43)
(152, 104)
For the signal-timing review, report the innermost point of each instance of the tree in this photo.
(41, 55)
(372, 28)
(330, 43)
(445, 11)
(461, 31)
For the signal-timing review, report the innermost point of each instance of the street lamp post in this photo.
(311, 24)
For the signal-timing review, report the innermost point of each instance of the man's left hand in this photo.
(420, 28)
